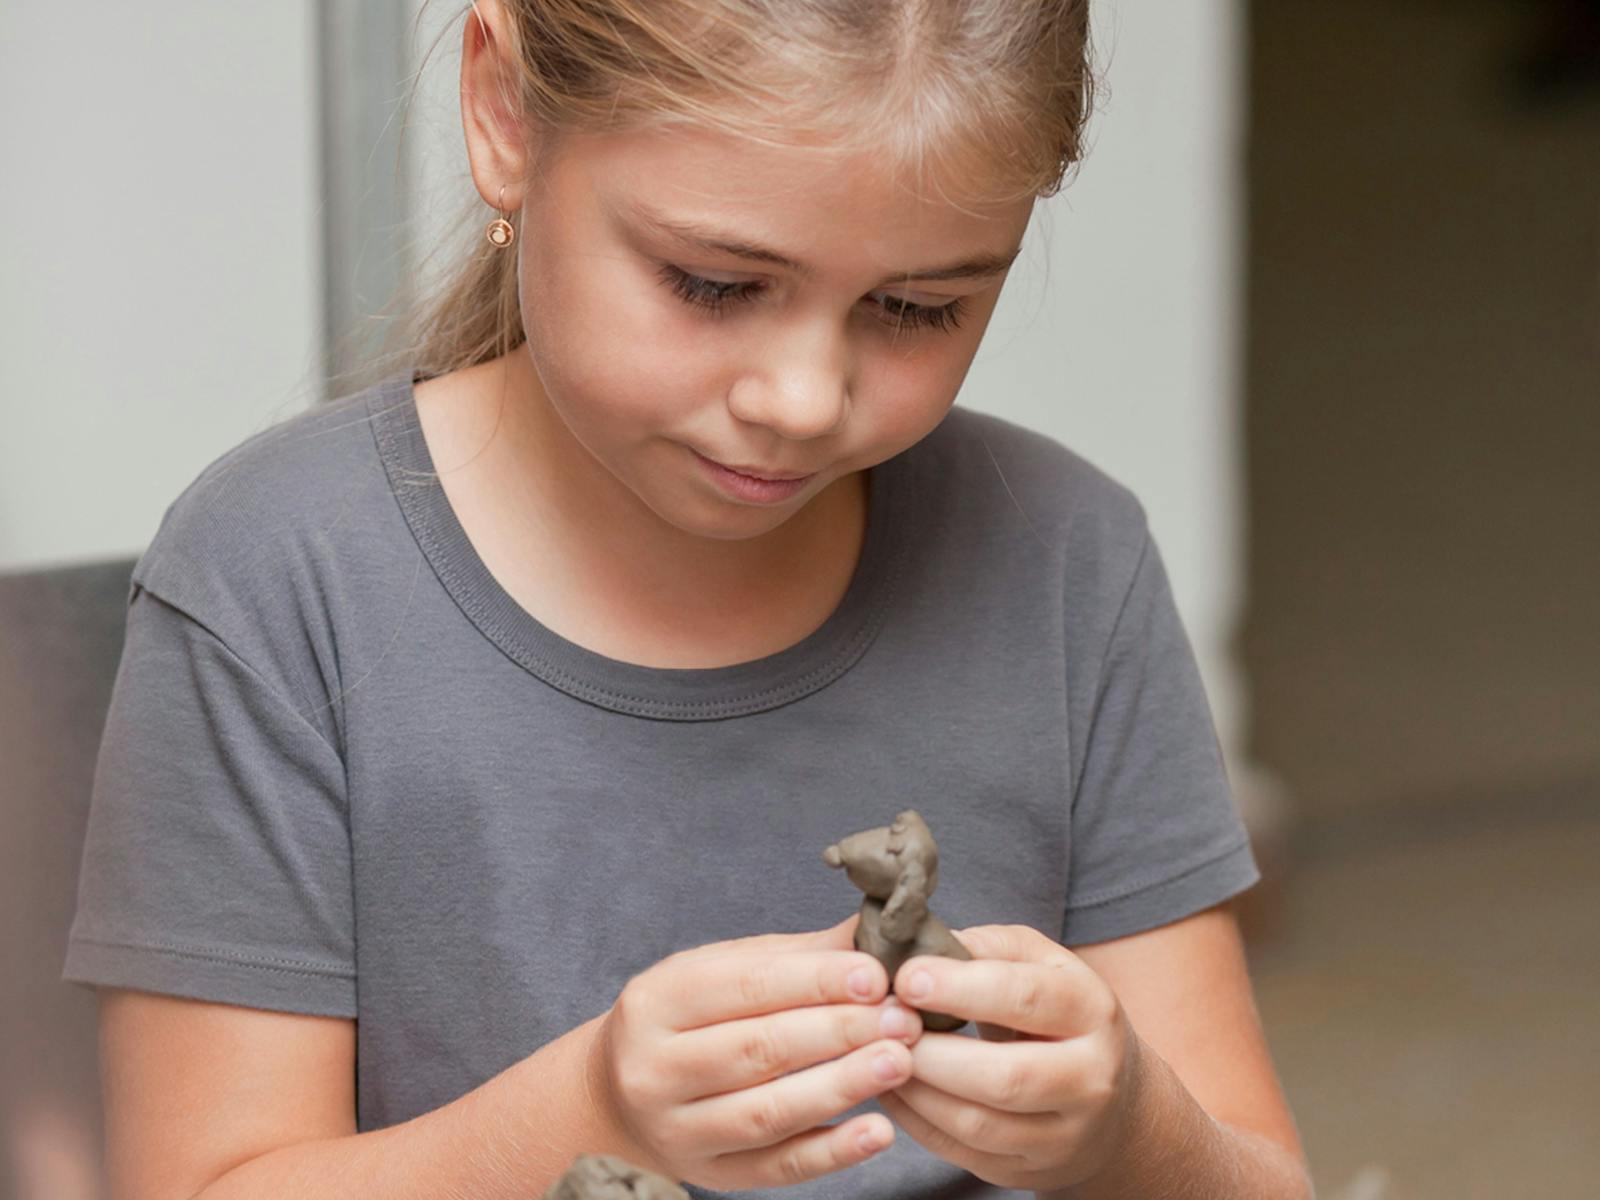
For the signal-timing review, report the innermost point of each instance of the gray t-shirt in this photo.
(344, 773)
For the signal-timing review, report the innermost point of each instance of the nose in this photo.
(800, 387)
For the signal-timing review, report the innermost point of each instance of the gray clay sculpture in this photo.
(606, 1177)
(897, 867)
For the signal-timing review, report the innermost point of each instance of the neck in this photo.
(646, 567)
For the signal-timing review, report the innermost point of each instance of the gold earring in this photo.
(500, 232)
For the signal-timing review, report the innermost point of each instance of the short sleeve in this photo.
(1155, 835)
(216, 862)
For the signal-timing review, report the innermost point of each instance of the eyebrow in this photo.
(706, 238)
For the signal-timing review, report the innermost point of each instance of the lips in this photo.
(770, 476)
(761, 472)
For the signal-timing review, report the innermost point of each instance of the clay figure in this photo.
(897, 867)
(607, 1177)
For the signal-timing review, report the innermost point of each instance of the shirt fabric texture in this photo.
(344, 773)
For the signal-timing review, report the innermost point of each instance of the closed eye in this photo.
(716, 296)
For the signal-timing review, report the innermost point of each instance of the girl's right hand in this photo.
(722, 1062)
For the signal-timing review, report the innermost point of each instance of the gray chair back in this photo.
(61, 634)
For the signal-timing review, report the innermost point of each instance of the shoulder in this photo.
(267, 499)
(1018, 487)
(260, 543)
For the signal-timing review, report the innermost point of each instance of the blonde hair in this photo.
(994, 92)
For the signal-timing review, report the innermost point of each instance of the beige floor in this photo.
(1434, 1008)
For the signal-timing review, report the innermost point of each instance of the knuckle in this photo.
(1029, 998)
(755, 987)
(1012, 1085)
(1099, 1082)
(946, 1145)
(672, 1126)
(791, 1168)
(636, 1082)
(626, 1001)
(764, 1122)
(633, 1000)
(762, 1054)
(670, 1132)
(674, 960)
(1105, 1007)
(975, 1128)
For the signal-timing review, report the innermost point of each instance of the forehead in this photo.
(803, 193)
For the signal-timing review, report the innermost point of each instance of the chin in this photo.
(723, 521)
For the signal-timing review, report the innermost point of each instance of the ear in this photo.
(907, 906)
(495, 132)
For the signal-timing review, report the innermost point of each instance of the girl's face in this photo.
(691, 298)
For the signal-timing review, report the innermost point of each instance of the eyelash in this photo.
(715, 295)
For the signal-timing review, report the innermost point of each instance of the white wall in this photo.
(159, 295)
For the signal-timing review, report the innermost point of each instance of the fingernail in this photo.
(869, 1141)
(886, 1068)
(919, 985)
(859, 981)
(895, 1022)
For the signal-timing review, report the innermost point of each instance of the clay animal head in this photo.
(879, 860)
(606, 1177)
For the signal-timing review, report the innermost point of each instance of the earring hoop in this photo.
(500, 232)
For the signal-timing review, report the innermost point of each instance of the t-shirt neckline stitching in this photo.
(664, 693)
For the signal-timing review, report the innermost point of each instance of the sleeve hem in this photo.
(1208, 883)
(309, 988)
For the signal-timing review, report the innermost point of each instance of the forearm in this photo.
(511, 1137)
(1173, 1149)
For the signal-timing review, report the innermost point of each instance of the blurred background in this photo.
(1326, 295)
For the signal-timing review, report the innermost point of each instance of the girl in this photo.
(476, 736)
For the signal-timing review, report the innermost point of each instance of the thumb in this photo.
(1017, 943)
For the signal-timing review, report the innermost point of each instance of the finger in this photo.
(987, 1130)
(836, 937)
(1056, 999)
(808, 1155)
(775, 1111)
(1015, 1077)
(943, 1144)
(1017, 943)
(726, 987)
(740, 1054)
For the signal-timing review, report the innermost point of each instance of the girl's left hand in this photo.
(1043, 1101)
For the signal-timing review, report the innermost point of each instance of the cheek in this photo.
(610, 346)
(906, 392)
(927, 373)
